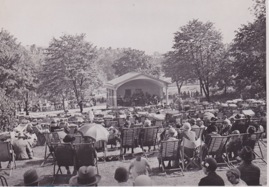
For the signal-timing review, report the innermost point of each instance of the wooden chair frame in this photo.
(3, 181)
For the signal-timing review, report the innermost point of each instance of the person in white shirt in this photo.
(140, 165)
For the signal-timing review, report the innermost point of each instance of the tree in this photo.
(17, 71)
(70, 64)
(177, 69)
(135, 60)
(7, 111)
(249, 53)
(200, 44)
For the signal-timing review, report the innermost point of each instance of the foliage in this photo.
(7, 111)
(70, 65)
(135, 60)
(179, 70)
(249, 53)
(200, 45)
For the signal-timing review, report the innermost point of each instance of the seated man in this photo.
(22, 148)
(234, 145)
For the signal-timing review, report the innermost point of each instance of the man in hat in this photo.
(30, 178)
(68, 139)
(86, 177)
(139, 165)
(212, 178)
(233, 176)
(239, 124)
(250, 173)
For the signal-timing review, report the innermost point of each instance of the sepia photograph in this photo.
(133, 93)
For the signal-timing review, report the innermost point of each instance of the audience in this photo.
(212, 179)
(121, 176)
(233, 176)
(86, 177)
(30, 178)
(250, 173)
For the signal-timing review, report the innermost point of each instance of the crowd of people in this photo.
(138, 99)
(178, 127)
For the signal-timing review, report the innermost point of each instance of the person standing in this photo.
(91, 115)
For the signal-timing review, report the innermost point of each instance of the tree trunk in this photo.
(225, 90)
(80, 104)
(63, 103)
(179, 85)
(26, 104)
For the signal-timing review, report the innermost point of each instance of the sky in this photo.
(147, 25)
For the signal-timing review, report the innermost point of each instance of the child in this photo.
(122, 176)
(139, 165)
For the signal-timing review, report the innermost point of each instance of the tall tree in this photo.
(70, 64)
(179, 70)
(249, 53)
(200, 44)
(135, 60)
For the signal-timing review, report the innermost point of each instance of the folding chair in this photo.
(78, 138)
(191, 152)
(149, 136)
(216, 148)
(129, 138)
(7, 154)
(64, 156)
(256, 137)
(48, 147)
(169, 151)
(85, 155)
(198, 132)
(100, 146)
(3, 181)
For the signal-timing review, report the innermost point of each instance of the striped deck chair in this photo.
(169, 151)
(101, 146)
(216, 148)
(129, 138)
(149, 136)
(78, 138)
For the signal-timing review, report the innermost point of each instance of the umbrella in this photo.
(96, 131)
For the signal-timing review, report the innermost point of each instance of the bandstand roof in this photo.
(117, 82)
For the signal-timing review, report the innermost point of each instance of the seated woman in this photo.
(22, 148)
(234, 145)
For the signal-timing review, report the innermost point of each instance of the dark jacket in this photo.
(212, 179)
(250, 174)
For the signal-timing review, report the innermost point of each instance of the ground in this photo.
(107, 169)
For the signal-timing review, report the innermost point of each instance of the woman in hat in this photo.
(140, 165)
(233, 176)
(68, 139)
(86, 177)
(212, 178)
(250, 173)
(31, 178)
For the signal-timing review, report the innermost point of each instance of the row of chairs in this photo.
(175, 150)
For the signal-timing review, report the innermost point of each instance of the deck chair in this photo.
(85, 155)
(78, 138)
(198, 132)
(49, 148)
(100, 146)
(7, 154)
(257, 138)
(169, 150)
(149, 136)
(64, 156)
(216, 148)
(129, 139)
(191, 151)
(159, 123)
(40, 137)
(3, 181)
